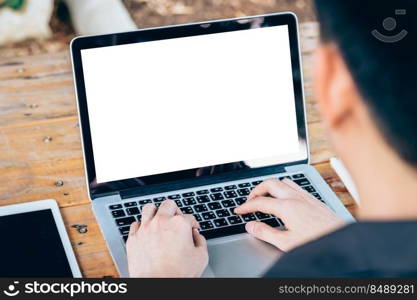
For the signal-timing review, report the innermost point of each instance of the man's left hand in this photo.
(166, 244)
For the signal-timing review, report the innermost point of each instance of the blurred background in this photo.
(30, 27)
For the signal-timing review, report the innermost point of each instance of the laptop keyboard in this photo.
(212, 207)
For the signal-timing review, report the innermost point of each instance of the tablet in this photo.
(34, 242)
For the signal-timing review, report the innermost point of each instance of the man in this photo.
(365, 89)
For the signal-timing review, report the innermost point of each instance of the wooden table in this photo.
(40, 147)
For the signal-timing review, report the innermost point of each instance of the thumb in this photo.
(267, 234)
(199, 240)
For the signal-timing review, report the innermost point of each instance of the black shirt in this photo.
(365, 249)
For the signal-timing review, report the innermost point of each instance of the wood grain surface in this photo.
(40, 148)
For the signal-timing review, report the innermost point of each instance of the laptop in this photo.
(200, 114)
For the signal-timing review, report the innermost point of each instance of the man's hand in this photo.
(166, 244)
(305, 217)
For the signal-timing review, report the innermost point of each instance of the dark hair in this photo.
(385, 73)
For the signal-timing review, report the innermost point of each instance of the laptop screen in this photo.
(185, 107)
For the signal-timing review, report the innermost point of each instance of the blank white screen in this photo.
(184, 103)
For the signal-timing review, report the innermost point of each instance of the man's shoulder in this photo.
(358, 249)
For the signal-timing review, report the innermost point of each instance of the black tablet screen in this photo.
(31, 246)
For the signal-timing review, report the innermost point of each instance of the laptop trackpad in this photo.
(240, 256)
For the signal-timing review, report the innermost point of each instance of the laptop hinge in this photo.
(161, 188)
(101, 195)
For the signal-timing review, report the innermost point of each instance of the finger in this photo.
(148, 212)
(134, 228)
(266, 205)
(193, 222)
(293, 185)
(298, 188)
(168, 208)
(273, 187)
(199, 240)
(267, 233)
(178, 211)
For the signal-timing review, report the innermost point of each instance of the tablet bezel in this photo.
(53, 206)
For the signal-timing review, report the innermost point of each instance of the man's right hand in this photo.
(305, 217)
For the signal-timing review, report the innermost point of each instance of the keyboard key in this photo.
(249, 217)
(309, 189)
(115, 206)
(173, 197)
(125, 221)
(139, 218)
(283, 177)
(261, 215)
(214, 205)
(130, 204)
(224, 231)
(228, 203)
(189, 201)
(198, 217)
(280, 222)
(189, 194)
(125, 237)
(222, 213)
(301, 182)
(206, 225)
(203, 199)
(220, 222)
(232, 211)
(316, 195)
(179, 203)
(241, 200)
(118, 213)
(133, 211)
(124, 230)
(243, 185)
(243, 192)
(230, 187)
(216, 197)
(146, 201)
(187, 210)
(271, 222)
(203, 192)
(200, 208)
(297, 176)
(208, 215)
(230, 194)
(234, 220)
(257, 182)
(216, 190)
(158, 204)
(159, 199)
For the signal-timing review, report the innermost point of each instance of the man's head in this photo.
(367, 88)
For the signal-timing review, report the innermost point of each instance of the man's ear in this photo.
(335, 90)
